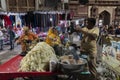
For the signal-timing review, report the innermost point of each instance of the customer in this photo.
(53, 40)
(1, 39)
(52, 37)
(88, 44)
(26, 38)
(11, 36)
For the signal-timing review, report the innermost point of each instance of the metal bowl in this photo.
(73, 67)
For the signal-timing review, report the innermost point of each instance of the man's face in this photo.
(89, 25)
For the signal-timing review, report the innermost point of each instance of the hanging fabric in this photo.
(29, 17)
(12, 18)
(44, 19)
(7, 21)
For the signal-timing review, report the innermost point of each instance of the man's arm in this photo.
(92, 35)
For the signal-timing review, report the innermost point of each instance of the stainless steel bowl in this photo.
(73, 67)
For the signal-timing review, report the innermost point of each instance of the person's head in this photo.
(55, 30)
(25, 30)
(91, 23)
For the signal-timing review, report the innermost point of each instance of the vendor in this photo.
(88, 44)
(53, 37)
(26, 38)
(53, 40)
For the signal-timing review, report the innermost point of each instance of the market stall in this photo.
(110, 56)
(20, 66)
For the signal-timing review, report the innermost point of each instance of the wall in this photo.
(3, 5)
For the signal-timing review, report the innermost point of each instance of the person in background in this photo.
(27, 37)
(1, 39)
(88, 44)
(62, 37)
(53, 39)
(71, 29)
(111, 30)
(103, 33)
(18, 33)
(117, 31)
(11, 36)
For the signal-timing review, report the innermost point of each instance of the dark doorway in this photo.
(105, 16)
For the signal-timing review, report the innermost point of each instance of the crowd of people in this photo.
(10, 34)
(87, 35)
(112, 30)
(88, 42)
